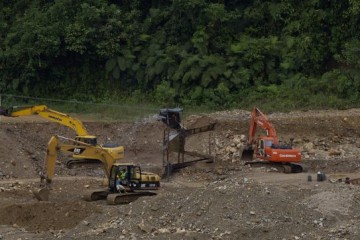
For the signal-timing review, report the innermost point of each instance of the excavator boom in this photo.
(47, 113)
(260, 119)
(95, 152)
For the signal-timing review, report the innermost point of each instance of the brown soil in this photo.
(220, 200)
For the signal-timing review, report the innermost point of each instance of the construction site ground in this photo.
(221, 200)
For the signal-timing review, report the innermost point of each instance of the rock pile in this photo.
(230, 148)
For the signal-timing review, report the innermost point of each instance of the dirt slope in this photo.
(222, 200)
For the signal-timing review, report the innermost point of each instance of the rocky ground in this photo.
(221, 200)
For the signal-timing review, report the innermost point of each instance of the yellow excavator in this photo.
(134, 185)
(79, 157)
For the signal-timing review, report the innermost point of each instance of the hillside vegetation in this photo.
(220, 54)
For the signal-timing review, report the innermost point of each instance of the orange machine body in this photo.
(268, 147)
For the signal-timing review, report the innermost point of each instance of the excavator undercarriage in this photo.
(115, 198)
(280, 167)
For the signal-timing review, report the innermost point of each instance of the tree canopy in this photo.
(190, 52)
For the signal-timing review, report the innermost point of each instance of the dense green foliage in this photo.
(283, 53)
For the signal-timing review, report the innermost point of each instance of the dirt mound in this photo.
(44, 216)
(14, 159)
(195, 121)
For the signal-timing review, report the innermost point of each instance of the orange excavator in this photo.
(268, 149)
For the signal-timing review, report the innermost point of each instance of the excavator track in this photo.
(96, 195)
(126, 198)
(281, 167)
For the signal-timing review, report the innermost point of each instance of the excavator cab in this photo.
(132, 177)
(262, 144)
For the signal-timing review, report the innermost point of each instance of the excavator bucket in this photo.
(247, 155)
(41, 194)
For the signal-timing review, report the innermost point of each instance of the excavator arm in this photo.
(54, 145)
(259, 119)
(47, 113)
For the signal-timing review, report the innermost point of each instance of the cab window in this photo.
(268, 143)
